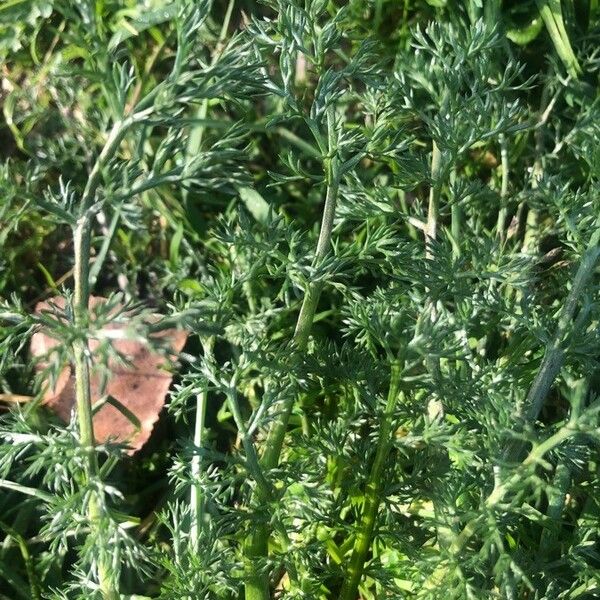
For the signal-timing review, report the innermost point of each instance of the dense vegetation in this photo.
(378, 222)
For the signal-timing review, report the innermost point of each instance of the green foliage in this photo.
(379, 223)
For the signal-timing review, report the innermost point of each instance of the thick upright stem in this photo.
(551, 12)
(309, 303)
(554, 354)
(302, 331)
(364, 536)
(257, 587)
(256, 546)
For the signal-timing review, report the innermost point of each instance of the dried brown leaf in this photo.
(140, 386)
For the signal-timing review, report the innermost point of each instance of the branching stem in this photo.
(496, 497)
(554, 353)
(256, 546)
(364, 536)
(81, 352)
(551, 365)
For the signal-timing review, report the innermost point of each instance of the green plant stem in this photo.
(556, 502)
(252, 460)
(534, 457)
(431, 227)
(34, 586)
(304, 324)
(115, 137)
(502, 213)
(256, 545)
(81, 354)
(551, 12)
(265, 492)
(364, 537)
(530, 228)
(109, 235)
(434, 200)
(554, 353)
(196, 495)
(562, 473)
(197, 133)
(456, 221)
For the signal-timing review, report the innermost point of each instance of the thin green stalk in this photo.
(195, 140)
(196, 495)
(431, 227)
(534, 457)
(456, 221)
(81, 354)
(34, 586)
(297, 141)
(531, 225)
(115, 137)
(412, 230)
(109, 235)
(434, 200)
(265, 491)
(256, 545)
(364, 537)
(502, 213)
(81, 295)
(252, 460)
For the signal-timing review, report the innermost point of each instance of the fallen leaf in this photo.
(140, 386)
